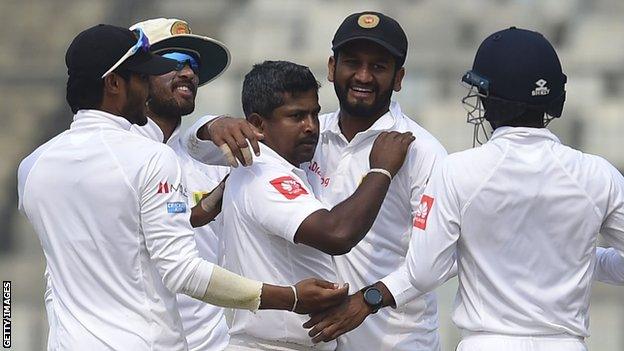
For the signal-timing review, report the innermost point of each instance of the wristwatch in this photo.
(373, 298)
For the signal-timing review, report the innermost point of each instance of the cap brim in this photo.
(149, 64)
(394, 51)
(214, 56)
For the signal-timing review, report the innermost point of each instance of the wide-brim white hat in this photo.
(169, 34)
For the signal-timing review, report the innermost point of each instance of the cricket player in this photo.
(521, 213)
(277, 230)
(172, 95)
(110, 210)
(370, 49)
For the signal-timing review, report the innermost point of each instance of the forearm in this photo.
(227, 289)
(199, 217)
(277, 297)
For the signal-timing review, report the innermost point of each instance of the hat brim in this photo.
(394, 51)
(149, 64)
(213, 55)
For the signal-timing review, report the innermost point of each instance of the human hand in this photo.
(315, 295)
(389, 150)
(329, 324)
(231, 134)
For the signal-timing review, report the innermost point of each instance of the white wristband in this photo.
(294, 289)
(380, 170)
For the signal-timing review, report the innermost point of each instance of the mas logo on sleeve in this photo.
(166, 188)
(288, 187)
(422, 212)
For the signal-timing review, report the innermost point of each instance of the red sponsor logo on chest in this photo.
(288, 187)
(422, 212)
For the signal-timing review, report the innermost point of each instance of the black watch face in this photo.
(372, 296)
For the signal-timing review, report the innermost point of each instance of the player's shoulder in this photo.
(258, 174)
(326, 120)
(587, 162)
(424, 143)
(28, 162)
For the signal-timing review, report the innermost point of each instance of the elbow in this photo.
(341, 244)
(421, 279)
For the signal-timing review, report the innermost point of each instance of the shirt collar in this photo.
(90, 118)
(269, 156)
(175, 136)
(383, 123)
(523, 133)
(152, 131)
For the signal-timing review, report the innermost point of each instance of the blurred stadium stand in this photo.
(443, 37)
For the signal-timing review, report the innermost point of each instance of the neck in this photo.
(112, 108)
(167, 124)
(350, 124)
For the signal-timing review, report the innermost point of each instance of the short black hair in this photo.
(85, 91)
(265, 85)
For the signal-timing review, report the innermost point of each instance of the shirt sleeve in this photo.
(204, 151)
(423, 158)
(165, 221)
(609, 266)
(613, 224)
(281, 202)
(431, 255)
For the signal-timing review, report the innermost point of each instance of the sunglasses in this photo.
(183, 60)
(142, 44)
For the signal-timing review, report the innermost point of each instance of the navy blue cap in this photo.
(97, 49)
(376, 27)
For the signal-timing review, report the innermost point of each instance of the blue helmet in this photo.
(515, 71)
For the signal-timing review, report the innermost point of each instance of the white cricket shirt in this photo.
(111, 212)
(204, 324)
(263, 206)
(335, 172)
(522, 213)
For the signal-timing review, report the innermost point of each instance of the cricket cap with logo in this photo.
(172, 34)
(102, 49)
(376, 27)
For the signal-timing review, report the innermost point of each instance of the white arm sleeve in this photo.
(422, 159)
(227, 289)
(609, 266)
(431, 257)
(165, 221)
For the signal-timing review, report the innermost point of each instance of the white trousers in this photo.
(247, 343)
(497, 342)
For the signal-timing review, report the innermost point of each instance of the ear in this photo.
(257, 121)
(114, 84)
(331, 68)
(398, 78)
